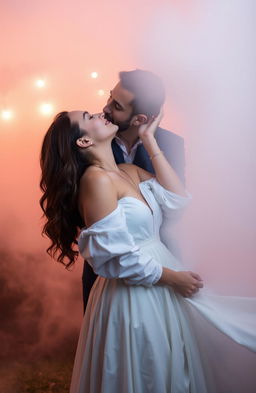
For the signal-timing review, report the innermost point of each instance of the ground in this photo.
(41, 376)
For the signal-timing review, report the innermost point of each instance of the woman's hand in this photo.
(186, 283)
(149, 128)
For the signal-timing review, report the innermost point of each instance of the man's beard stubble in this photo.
(122, 125)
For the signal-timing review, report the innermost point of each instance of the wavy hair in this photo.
(62, 164)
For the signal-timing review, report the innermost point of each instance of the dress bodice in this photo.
(143, 219)
(112, 244)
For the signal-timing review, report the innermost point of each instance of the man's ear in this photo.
(140, 119)
(84, 142)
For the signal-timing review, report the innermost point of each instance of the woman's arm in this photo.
(165, 174)
(185, 283)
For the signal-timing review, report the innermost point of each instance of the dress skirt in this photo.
(137, 339)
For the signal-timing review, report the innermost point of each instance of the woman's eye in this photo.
(90, 117)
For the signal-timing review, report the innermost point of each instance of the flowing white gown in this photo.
(141, 337)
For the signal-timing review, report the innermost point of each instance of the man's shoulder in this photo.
(163, 135)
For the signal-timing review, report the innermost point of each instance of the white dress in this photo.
(141, 337)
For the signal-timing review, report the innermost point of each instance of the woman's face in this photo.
(96, 126)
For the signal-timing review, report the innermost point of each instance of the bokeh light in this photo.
(101, 92)
(40, 83)
(46, 109)
(6, 114)
(94, 75)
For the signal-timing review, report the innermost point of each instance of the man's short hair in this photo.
(148, 90)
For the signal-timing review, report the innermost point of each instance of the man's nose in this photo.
(107, 109)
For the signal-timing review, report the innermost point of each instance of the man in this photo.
(137, 97)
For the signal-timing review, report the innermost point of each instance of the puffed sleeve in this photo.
(171, 204)
(111, 251)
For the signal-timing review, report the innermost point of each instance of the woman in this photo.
(146, 329)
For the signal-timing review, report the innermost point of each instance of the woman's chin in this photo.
(114, 128)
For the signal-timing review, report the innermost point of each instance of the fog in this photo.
(206, 56)
(204, 52)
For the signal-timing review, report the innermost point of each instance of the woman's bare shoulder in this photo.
(95, 177)
(97, 195)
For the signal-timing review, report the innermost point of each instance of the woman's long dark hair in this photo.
(62, 165)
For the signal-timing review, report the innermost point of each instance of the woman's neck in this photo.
(104, 158)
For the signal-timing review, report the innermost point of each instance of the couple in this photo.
(148, 326)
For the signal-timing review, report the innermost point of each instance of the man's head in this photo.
(138, 96)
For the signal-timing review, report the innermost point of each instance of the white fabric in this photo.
(149, 339)
(101, 247)
(100, 244)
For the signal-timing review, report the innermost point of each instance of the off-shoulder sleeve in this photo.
(111, 251)
(171, 204)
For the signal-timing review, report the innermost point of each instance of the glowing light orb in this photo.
(101, 92)
(40, 83)
(94, 75)
(6, 114)
(46, 109)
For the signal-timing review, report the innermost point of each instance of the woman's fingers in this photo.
(196, 276)
(191, 291)
(198, 282)
(200, 285)
(187, 283)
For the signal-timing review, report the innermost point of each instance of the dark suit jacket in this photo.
(173, 147)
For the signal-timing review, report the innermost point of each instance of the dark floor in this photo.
(40, 376)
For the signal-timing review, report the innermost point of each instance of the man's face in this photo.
(118, 109)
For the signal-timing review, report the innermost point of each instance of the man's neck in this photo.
(129, 137)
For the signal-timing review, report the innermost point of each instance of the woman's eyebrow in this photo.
(85, 113)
